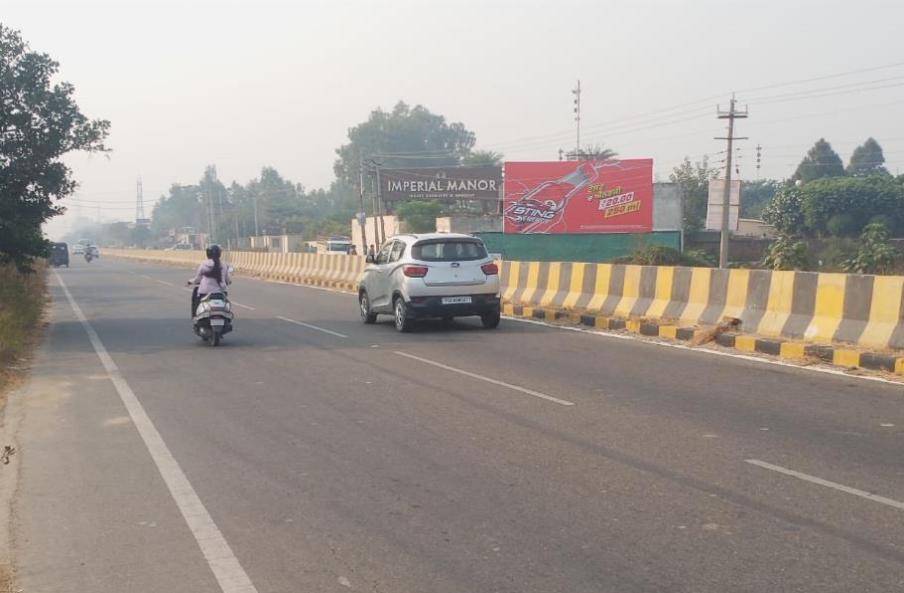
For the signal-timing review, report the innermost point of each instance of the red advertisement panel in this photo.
(579, 197)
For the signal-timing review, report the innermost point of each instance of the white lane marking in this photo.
(249, 307)
(841, 487)
(556, 400)
(165, 282)
(230, 575)
(781, 363)
(314, 327)
(145, 276)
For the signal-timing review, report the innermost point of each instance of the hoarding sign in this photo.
(446, 183)
(579, 197)
(715, 201)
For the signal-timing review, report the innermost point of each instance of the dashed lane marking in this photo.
(834, 485)
(314, 327)
(518, 388)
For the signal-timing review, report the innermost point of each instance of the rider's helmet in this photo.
(214, 251)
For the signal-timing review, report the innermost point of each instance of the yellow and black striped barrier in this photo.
(793, 314)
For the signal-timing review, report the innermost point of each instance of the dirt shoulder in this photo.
(23, 300)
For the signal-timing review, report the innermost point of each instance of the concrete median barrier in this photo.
(329, 270)
(862, 310)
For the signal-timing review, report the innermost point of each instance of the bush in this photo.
(875, 254)
(787, 253)
(834, 252)
(660, 255)
(21, 306)
(842, 225)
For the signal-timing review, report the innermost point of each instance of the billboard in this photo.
(717, 199)
(614, 196)
(443, 183)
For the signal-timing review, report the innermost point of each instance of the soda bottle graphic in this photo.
(558, 193)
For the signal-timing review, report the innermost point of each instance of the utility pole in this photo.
(257, 228)
(382, 233)
(577, 116)
(362, 216)
(731, 115)
(759, 159)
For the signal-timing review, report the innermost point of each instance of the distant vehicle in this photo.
(59, 254)
(338, 245)
(78, 249)
(91, 252)
(431, 275)
(180, 247)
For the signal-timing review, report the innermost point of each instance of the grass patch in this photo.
(22, 298)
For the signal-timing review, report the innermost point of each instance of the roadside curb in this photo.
(836, 355)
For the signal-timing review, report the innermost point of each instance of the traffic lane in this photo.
(822, 425)
(90, 512)
(433, 388)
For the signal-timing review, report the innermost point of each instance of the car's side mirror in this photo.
(370, 259)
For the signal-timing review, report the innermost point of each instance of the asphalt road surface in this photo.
(312, 453)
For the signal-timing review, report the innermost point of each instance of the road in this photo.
(312, 453)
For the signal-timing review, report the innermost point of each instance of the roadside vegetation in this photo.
(829, 217)
(21, 306)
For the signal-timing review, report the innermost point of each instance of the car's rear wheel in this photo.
(400, 310)
(491, 320)
(367, 316)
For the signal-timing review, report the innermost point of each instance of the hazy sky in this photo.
(244, 84)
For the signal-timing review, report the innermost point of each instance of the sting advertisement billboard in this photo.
(613, 196)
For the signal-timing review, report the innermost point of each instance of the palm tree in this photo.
(595, 152)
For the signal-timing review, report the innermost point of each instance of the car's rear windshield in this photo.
(449, 250)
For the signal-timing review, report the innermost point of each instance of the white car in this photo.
(78, 249)
(439, 275)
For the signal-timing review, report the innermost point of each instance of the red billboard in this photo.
(579, 197)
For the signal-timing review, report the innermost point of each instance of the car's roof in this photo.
(414, 237)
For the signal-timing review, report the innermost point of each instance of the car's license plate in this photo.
(462, 300)
(217, 322)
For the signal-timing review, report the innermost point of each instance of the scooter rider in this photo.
(212, 276)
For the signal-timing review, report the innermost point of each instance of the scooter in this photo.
(213, 318)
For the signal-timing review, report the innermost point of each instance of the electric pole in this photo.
(362, 216)
(731, 115)
(576, 91)
(759, 159)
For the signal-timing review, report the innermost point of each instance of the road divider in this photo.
(833, 317)
(328, 270)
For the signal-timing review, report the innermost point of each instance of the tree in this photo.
(39, 124)
(785, 210)
(820, 161)
(420, 215)
(867, 159)
(693, 183)
(479, 158)
(843, 206)
(595, 152)
(755, 195)
(414, 136)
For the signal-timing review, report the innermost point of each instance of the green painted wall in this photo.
(575, 248)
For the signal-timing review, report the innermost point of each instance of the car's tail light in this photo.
(490, 269)
(415, 271)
